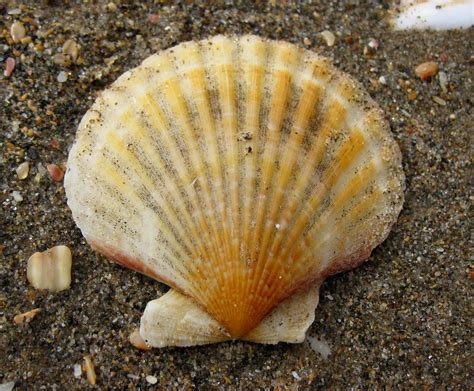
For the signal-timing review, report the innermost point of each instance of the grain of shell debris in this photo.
(50, 269)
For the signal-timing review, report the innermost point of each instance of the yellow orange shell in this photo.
(236, 170)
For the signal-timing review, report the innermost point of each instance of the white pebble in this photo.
(295, 375)
(373, 44)
(62, 77)
(14, 11)
(439, 101)
(328, 37)
(151, 379)
(320, 346)
(17, 196)
(77, 371)
(382, 80)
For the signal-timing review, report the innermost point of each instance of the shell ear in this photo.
(176, 320)
(289, 321)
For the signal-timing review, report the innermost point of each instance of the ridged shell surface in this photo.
(237, 171)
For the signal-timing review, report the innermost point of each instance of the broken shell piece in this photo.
(17, 31)
(434, 14)
(55, 172)
(151, 379)
(50, 269)
(71, 49)
(77, 371)
(17, 196)
(137, 341)
(443, 81)
(89, 369)
(8, 386)
(22, 170)
(160, 180)
(26, 316)
(9, 66)
(320, 346)
(427, 69)
(328, 37)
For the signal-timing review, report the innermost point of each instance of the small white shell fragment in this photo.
(17, 196)
(435, 14)
(41, 171)
(443, 81)
(22, 170)
(439, 101)
(319, 346)
(7, 386)
(62, 77)
(17, 31)
(90, 371)
(14, 11)
(373, 44)
(137, 341)
(112, 7)
(328, 37)
(382, 80)
(71, 49)
(50, 269)
(77, 370)
(151, 379)
(26, 316)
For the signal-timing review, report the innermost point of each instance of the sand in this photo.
(401, 320)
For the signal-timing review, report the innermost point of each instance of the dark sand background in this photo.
(402, 320)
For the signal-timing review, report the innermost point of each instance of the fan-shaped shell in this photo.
(237, 171)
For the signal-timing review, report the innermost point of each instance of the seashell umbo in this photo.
(241, 172)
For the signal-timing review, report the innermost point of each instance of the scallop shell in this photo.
(240, 172)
